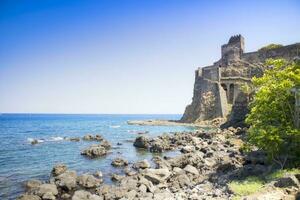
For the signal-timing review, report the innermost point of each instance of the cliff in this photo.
(217, 88)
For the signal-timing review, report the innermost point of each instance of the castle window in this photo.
(231, 93)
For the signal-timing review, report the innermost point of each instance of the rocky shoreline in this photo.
(157, 122)
(208, 162)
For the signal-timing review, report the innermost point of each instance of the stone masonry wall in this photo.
(235, 68)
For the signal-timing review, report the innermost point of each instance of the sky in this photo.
(124, 56)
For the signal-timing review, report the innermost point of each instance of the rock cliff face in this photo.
(217, 88)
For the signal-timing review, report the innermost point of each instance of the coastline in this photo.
(158, 122)
(208, 163)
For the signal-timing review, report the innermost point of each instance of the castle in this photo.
(217, 88)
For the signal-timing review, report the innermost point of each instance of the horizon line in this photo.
(42, 113)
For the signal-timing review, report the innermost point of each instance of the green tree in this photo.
(272, 112)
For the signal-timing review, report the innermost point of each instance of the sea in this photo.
(21, 161)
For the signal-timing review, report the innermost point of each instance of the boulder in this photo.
(119, 162)
(287, 181)
(50, 189)
(59, 169)
(156, 176)
(147, 183)
(129, 172)
(191, 169)
(111, 192)
(129, 183)
(95, 150)
(66, 180)
(32, 184)
(48, 196)
(88, 181)
(178, 170)
(85, 195)
(116, 177)
(105, 144)
(90, 137)
(187, 149)
(141, 164)
(163, 195)
(194, 159)
(161, 163)
(158, 146)
(65, 196)
(130, 195)
(28, 197)
(141, 142)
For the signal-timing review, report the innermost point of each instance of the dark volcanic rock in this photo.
(141, 142)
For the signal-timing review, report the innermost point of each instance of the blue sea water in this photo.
(21, 161)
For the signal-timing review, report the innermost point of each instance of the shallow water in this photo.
(21, 161)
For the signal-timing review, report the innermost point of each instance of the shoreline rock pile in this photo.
(209, 161)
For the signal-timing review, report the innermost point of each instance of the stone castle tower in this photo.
(217, 88)
(233, 50)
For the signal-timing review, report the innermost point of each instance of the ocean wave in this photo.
(137, 132)
(51, 139)
(115, 126)
(38, 140)
(56, 139)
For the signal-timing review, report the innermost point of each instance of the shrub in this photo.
(270, 46)
(272, 112)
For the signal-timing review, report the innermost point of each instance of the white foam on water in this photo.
(38, 140)
(56, 139)
(115, 126)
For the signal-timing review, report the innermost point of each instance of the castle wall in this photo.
(211, 73)
(286, 52)
(235, 68)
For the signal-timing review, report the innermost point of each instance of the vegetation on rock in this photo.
(255, 184)
(270, 46)
(272, 112)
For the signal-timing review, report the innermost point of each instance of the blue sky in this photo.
(124, 56)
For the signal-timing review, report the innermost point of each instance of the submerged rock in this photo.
(35, 141)
(59, 169)
(141, 142)
(95, 150)
(106, 144)
(74, 139)
(119, 162)
(32, 184)
(90, 137)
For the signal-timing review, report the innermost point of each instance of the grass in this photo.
(253, 184)
(245, 187)
(281, 173)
